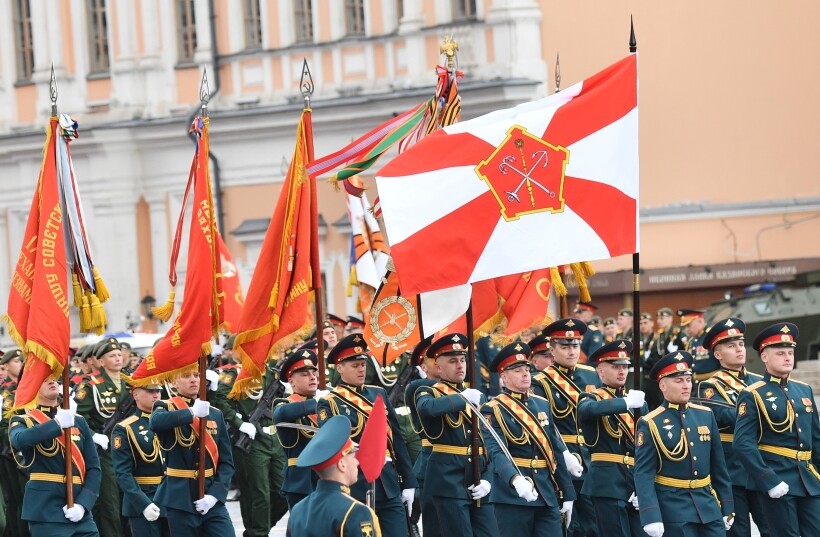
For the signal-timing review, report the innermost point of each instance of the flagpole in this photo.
(636, 279)
(472, 368)
(69, 470)
(306, 85)
(204, 96)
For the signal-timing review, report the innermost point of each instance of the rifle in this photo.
(405, 377)
(124, 409)
(263, 409)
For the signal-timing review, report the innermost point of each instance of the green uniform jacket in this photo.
(136, 454)
(420, 467)
(330, 511)
(295, 409)
(176, 437)
(44, 500)
(681, 442)
(98, 398)
(780, 414)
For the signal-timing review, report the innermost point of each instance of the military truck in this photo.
(764, 304)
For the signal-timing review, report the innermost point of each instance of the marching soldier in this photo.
(534, 489)
(338, 325)
(541, 357)
(593, 338)
(680, 473)
(330, 510)
(694, 325)
(610, 329)
(176, 424)
(719, 392)
(354, 325)
(777, 437)
(137, 459)
(667, 338)
(447, 422)
(624, 323)
(13, 480)
(300, 370)
(354, 400)
(561, 384)
(608, 424)
(97, 400)
(39, 435)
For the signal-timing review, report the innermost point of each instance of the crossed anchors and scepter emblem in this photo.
(507, 165)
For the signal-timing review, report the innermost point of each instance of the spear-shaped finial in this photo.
(633, 43)
(306, 83)
(557, 72)
(204, 92)
(449, 47)
(52, 91)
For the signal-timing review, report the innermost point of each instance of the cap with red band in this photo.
(672, 365)
(777, 335)
(352, 347)
(568, 329)
(449, 344)
(300, 359)
(512, 355)
(723, 331)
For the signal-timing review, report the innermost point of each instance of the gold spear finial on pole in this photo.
(449, 48)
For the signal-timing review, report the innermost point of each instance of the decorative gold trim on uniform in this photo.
(292, 461)
(572, 439)
(727, 437)
(187, 474)
(456, 450)
(54, 478)
(786, 452)
(683, 483)
(613, 457)
(425, 443)
(148, 479)
(529, 463)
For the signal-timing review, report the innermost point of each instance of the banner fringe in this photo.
(557, 282)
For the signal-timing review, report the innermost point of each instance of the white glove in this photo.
(482, 489)
(74, 513)
(575, 468)
(566, 510)
(101, 440)
(472, 395)
(635, 398)
(201, 408)
(422, 373)
(781, 489)
(65, 418)
(248, 429)
(524, 488)
(320, 394)
(654, 530)
(204, 504)
(151, 513)
(407, 496)
(72, 404)
(634, 501)
(671, 347)
(213, 379)
(727, 522)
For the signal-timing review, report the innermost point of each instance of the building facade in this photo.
(728, 132)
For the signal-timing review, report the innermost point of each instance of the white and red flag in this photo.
(547, 183)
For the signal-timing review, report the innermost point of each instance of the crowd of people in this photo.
(551, 441)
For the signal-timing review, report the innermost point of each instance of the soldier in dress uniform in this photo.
(354, 399)
(176, 424)
(610, 329)
(460, 503)
(97, 400)
(300, 370)
(330, 510)
(777, 437)
(534, 489)
(593, 338)
(13, 481)
(695, 327)
(39, 435)
(561, 384)
(329, 334)
(353, 325)
(541, 356)
(681, 478)
(719, 392)
(424, 497)
(606, 419)
(338, 325)
(624, 323)
(666, 338)
(138, 464)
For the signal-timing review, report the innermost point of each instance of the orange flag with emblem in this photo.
(278, 301)
(231, 286)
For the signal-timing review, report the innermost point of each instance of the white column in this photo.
(202, 15)
(515, 22)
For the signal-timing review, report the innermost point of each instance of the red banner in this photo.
(231, 286)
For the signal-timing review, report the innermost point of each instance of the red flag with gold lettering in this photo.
(278, 301)
(231, 286)
(201, 313)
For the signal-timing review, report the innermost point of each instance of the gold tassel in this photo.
(589, 270)
(165, 311)
(97, 313)
(581, 279)
(77, 290)
(85, 315)
(99, 284)
(557, 283)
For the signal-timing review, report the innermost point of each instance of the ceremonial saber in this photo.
(494, 434)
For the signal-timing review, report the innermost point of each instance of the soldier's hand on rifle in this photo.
(248, 429)
(635, 399)
(101, 440)
(566, 510)
(407, 496)
(574, 467)
(781, 489)
(213, 379)
(65, 418)
(472, 395)
(201, 408)
(480, 490)
(204, 504)
(654, 530)
(151, 513)
(524, 488)
(74, 513)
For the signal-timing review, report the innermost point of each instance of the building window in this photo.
(354, 17)
(303, 15)
(464, 9)
(399, 10)
(98, 36)
(253, 24)
(24, 51)
(186, 30)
